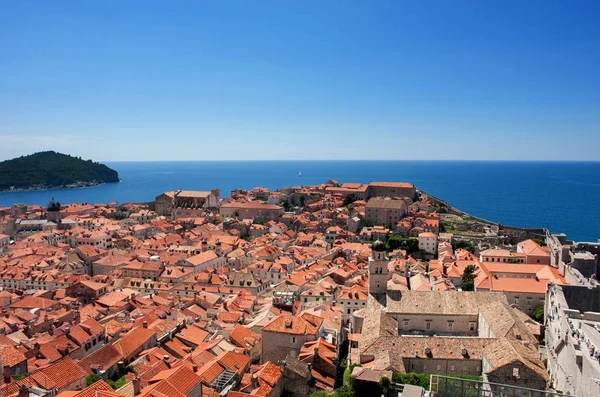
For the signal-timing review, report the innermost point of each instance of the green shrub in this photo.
(412, 378)
(91, 379)
(538, 314)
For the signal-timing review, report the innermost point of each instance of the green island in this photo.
(47, 170)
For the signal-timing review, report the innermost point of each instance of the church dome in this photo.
(378, 246)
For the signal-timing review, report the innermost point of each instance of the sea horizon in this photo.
(557, 195)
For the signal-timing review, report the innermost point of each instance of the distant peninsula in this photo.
(52, 170)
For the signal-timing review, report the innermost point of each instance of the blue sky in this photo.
(194, 80)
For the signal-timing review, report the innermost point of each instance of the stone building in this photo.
(4, 241)
(53, 211)
(378, 269)
(164, 204)
(392, 189)
(428, 242)
(357, 190)
(385, 211)
(572, 322)
(286, 334)
(445, 333)
(186, 203)
(251, 210)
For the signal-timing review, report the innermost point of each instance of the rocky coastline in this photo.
(35, 188)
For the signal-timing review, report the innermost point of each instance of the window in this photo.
(472, 327)
(516, 372)
(293, 339)
(428, 325)
(452, 368)
(450, 325)
(94, 342)
(439, 367)
(406, 323)
(348, 311)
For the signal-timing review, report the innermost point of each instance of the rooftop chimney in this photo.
(195, 368)
(136, 386)
(145, 324)
(288, 323)
(166, 360)
(23, 391)
(6, 374)
(254, 381)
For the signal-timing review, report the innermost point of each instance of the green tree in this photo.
(349, 199)
(464, 244)
(409, 244)
(412, 378)
(538, 314)
(319, 393)
(344, 391)
(367, 223)
(384, 383)
(91, 379)
(467, 280)
(286, 205)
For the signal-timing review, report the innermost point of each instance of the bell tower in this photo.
(378, 269)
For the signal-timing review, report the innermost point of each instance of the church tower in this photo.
(378, 269)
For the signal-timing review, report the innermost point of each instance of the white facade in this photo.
(428, 242)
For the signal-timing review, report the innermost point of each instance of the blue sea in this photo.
(561, 196)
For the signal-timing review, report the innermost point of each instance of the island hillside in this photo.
(45, 170)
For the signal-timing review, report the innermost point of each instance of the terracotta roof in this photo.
(289, 324)
(519, 284)
(202, 257)
(442, 302)
(64, 372)
(404, 185)
(12, 356)
(243, 337)
(30, 302)
(97, 389)
(233, 361)
(133, 340)
(530, 247)
(378, 202)
(178, 382)
(192, 335)
(103, 358)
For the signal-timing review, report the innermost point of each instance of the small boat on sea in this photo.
(299, 173)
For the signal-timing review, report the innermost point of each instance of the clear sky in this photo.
(200, 80)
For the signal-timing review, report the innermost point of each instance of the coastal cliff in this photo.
(51, 170)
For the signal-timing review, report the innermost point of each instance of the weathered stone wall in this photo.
(443, 366)
(277, 345)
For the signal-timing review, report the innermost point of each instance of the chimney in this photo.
(254, 381)
(166, 360)
(23, 391)
(6, 374)
(288, 323)
(195, 367)
(145, 324)
(136, 386)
